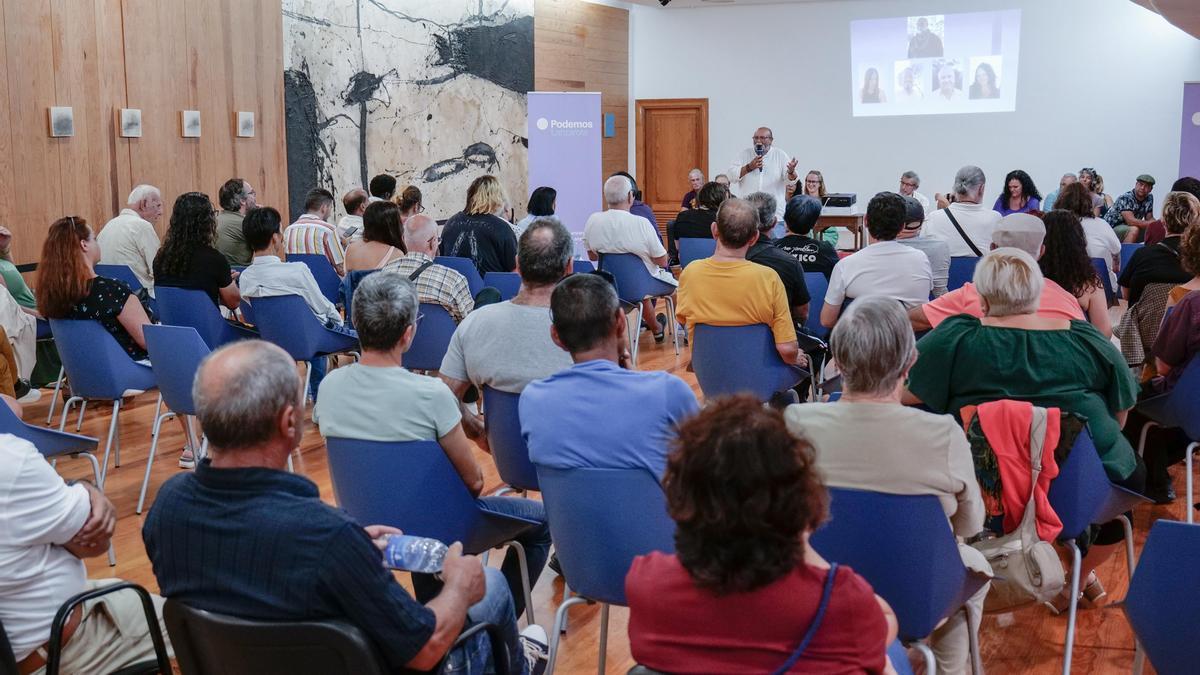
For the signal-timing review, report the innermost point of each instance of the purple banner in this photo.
(1189, 136)
(564, 153)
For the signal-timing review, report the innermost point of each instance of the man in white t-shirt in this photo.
(46, 528)
(619, 231)
(763, 168)
(886, 267)
(976, 221)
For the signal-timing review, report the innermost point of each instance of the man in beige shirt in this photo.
(130, 239)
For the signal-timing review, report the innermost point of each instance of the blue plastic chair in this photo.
(634, 284)
(432, 339)
(98, 368)
(1127, 251)
(194, 309)
(695, 248)
(1161, 610)
(323, 271)
(600, 520)
(287, 321)
(1082, 496)
(465, 267)
(962, 270)
(414, 487)
(583, 266)
(508, 448)
(1101, 266)
(899, 658)
(350, 284)
(1178, 408)
(740, 359)
(903, 546)
(508, 283)
(818, 286)
(120, 273)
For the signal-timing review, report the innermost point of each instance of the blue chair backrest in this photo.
(194, 309)
(903, 546)
(465, 267)
(600, 520)
(508, 283)
(504, 436)
(1183, 401)
(95, 364)
(1127, 251)
(349, 285)
(739, 359)
(1163, 597)
(49, 442)
(432, 338)
(175, 356)
(287, 321)
(583, 266)
(323, 271)
(695, 248)
(1101, 266)
(962, 270)
(120, 273)
(817, 285)
(634, 282)
(1078, 493)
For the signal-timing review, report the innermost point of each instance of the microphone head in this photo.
(758, 148)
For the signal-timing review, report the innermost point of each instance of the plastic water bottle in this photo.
(414, 554)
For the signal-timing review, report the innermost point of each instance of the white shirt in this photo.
(1102, 243)
(38, 514)
(268, 276)
(347, 222)
(130, 240)
(772, 179)
(955, 95)
(923, 200)
(618, 231)
(905, 96)
(886, 268)
(976, 220)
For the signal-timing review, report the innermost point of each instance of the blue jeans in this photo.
(475, 655)
(316, 373)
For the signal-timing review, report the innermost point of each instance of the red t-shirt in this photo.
(676, 627)
(1056, 303)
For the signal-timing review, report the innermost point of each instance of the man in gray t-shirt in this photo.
(935, 249)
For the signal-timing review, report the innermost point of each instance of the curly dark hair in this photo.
(1076, 198)
(1189, 251)
(1028, 189)
(193, 226)
(742, 491)
(1066, 261)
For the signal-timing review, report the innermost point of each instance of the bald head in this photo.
(355, 201)
(737, 223)
(242, 392)
(420, 234)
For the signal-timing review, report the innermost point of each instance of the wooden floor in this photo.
(1027, 641)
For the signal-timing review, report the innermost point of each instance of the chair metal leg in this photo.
(112, 552)
(62, 424)
(927, 654)
(157, 412)
(566, 594)
(973, 643)
(1139, 657)
(150, 464)
(674, 323)
(204, 452)
(82, 409)
(112, 432)
(634, 324)
(529, 620)
(1076, 564)
(1189, 505)
(1130, 561)
(559, 617)
(1142, 437)
(57, 390)
(603, 637)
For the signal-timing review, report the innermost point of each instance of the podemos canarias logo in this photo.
(564, 127)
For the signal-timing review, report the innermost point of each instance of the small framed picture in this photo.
(190, 122)
(131, 123)
(245, 124)
(62, 121)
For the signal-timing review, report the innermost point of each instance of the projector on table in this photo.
(841, 199)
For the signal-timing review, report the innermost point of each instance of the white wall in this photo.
(1100, 84)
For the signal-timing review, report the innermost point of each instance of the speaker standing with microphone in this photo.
(763, 168)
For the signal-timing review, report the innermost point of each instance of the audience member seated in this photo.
(868, 440)
(377, 399)
(935, 250)
(909, 182)
(47, 528)
(542, 202)
(479, 232)
(973, 235)
(560, 420)
(18, 319)
(263, 546)
(130, 239)
(1156, 231)
(382, 188)
(764, 252)
(1049, 362)
(1051, 201)
(382, 240)
(1087, 176)
(11, 277)
(1066, 263)
(695, 182)
(410, 203)
(728, 290)
(743, 585)
(350, 227)
(70, 289)
(1159, 264)
(886, 267)
(237, 198)
(1022, 231)
(1189, 246)
(640, 208)
(722, 179)
(1101, 241)
(187, 258)
(618, 230)
(436, 284)
(312, 234)
(696, 223)
(507, 345)
(815, 255)
(1020, 195)
(269, 276)
(1131, 214)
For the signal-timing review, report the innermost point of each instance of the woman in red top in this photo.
(743, 587)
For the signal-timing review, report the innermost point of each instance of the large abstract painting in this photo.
(429, 91)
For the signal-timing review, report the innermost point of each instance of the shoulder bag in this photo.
(816, 622)
(963, 234)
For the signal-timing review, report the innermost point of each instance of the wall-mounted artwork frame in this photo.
(130, 123)
(62, 121)
(245, 124)
(189, 123)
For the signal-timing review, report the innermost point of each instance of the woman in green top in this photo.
(1012, 353)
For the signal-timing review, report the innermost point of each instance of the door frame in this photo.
(644, 104)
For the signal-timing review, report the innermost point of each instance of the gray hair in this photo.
(616, 190)
(968, 180)
(385, 305)
(873, 345)
(1069, 175)
(141, 192)
(764, 203)
(1010, 282)
(544, 251)
(241, 389)
(911, 175)
(417, 229)
(696, 171)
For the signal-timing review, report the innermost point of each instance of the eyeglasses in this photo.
(761, 138)
(909, 184)
(417, 322)
(435, 239)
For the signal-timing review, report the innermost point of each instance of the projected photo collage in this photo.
(935, 64)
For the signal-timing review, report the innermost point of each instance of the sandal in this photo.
(662, 328)
(1094, 591)
(1061, 603)
(187, 460)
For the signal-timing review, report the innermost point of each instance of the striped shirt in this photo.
(310, 235)
(437, 284)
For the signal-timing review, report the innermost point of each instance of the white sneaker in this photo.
(534, 643)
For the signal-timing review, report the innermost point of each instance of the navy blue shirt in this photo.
(260, 544)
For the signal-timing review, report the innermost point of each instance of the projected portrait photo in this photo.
(947, 80)
(925, 36)
(908, 76)
(872, 89)
(985, 82)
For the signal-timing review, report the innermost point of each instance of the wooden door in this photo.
(672, 139)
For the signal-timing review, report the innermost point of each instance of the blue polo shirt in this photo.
(599, 415)
(260, 544)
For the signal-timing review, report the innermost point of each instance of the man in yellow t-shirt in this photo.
(728, 290)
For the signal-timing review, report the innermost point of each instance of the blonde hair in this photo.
(820, 188)
(1010, 281)
(1181, 210)
(485, 196)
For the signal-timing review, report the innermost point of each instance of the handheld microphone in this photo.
(760, 151)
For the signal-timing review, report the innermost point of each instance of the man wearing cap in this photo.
(1133, 211)
(935, 249)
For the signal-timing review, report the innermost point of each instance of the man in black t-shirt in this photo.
(764, 253)
(801, 215)
(696, 223)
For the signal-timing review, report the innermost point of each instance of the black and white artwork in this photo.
(245, 124)
(62, 121)
(131, 123)
(189, 121)
(429, 91)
